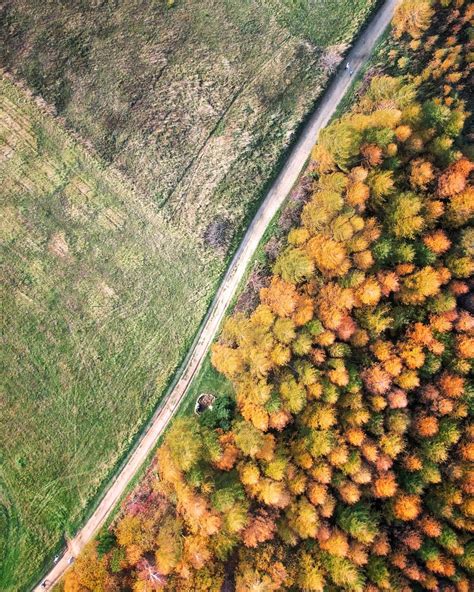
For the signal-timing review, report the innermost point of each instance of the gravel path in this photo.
(269, 207)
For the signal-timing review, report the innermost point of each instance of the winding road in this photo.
(192, 363)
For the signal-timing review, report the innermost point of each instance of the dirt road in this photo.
(269, 207)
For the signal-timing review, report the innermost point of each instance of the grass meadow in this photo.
(109, 254)
(195, 104)
(97, 313)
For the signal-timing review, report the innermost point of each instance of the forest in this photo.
(344, 461)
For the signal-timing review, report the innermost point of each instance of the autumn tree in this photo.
(412, 17)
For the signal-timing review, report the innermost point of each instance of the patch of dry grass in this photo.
(195, 104)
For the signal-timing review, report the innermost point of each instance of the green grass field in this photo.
(98, 313)
(105, 272)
